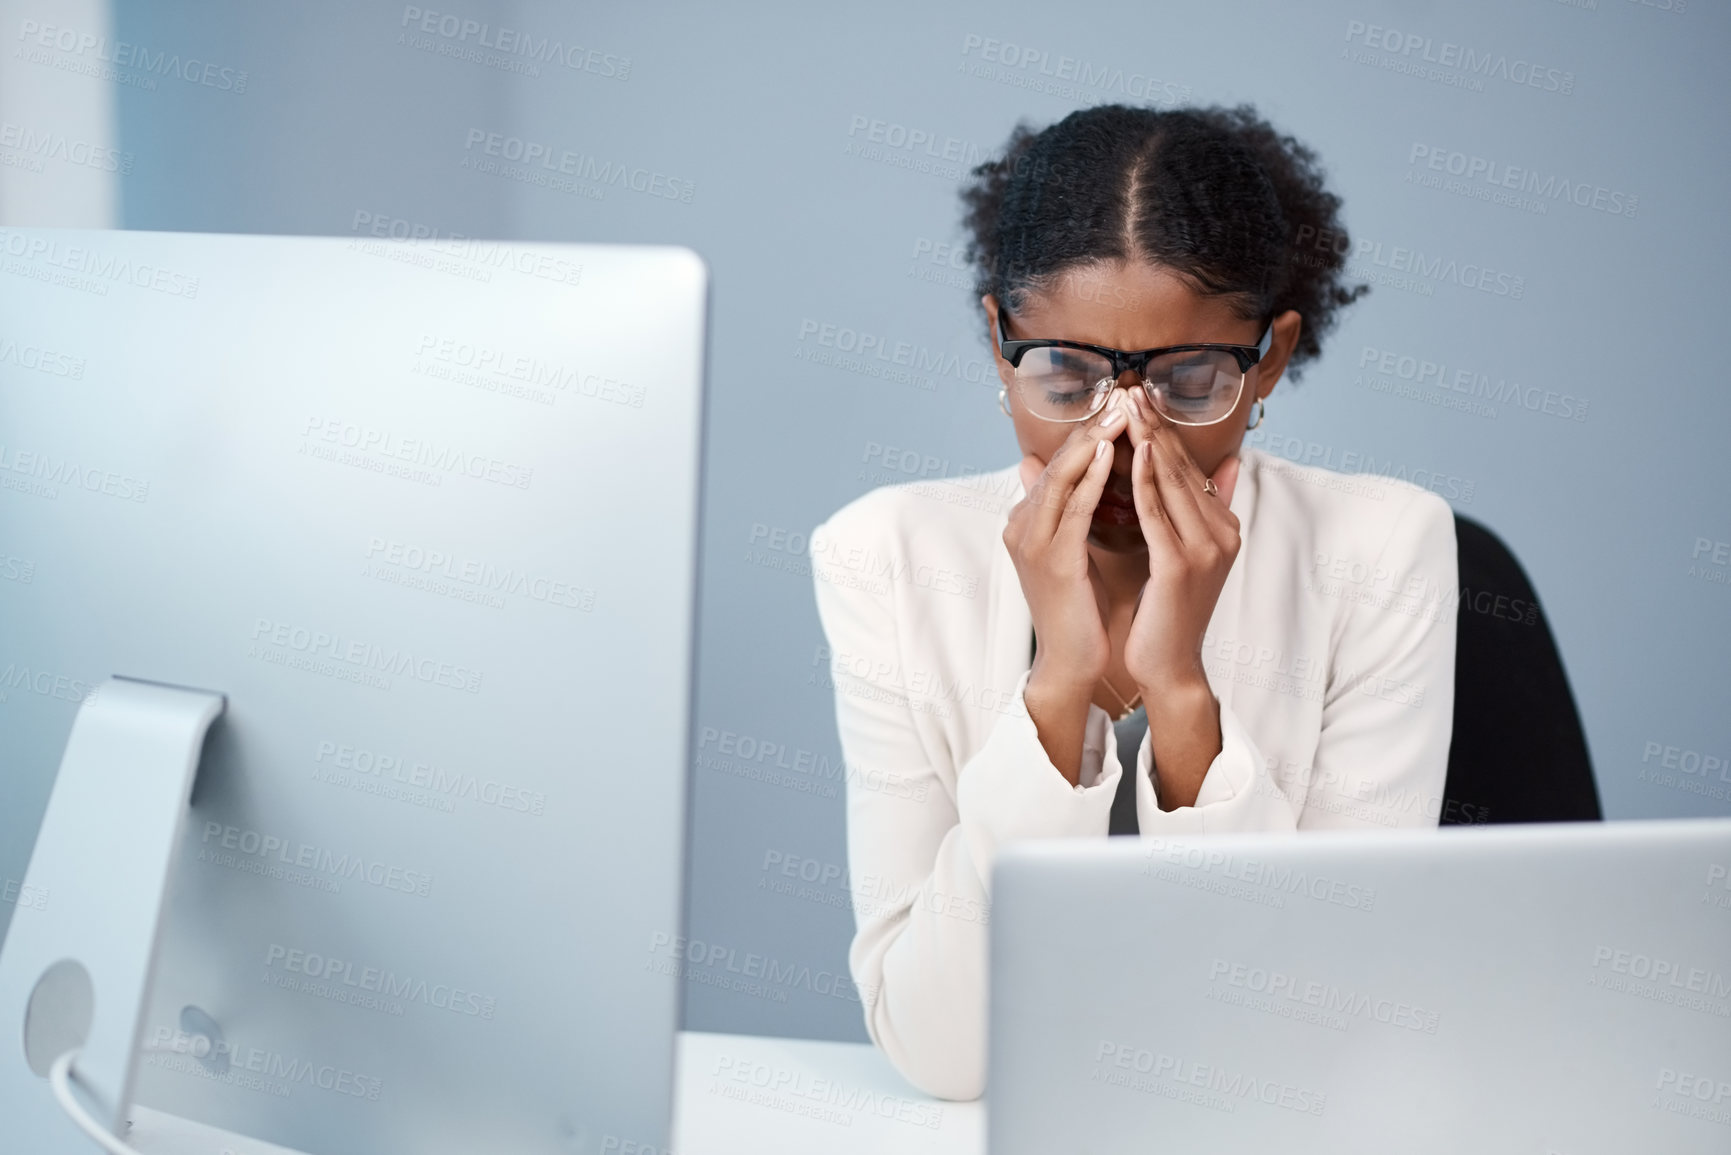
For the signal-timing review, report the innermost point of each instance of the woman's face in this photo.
(1131, 306)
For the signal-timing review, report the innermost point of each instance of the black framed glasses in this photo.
(1189, 384)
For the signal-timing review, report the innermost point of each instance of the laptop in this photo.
(1545, 989)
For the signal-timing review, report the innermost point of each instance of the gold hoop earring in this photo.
(1259, 408)
(1003, 396)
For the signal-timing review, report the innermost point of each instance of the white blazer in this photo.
(1331, 651)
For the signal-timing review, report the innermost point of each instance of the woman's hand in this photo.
(1192, 540)
(1047, 537)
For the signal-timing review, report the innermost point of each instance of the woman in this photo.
(1169, 632)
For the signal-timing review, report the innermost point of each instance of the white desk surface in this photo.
(750, 1095)
(735, 1095)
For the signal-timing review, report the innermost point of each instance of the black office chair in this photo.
(1518, 752)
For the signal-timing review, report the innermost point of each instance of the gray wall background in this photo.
(352, 117)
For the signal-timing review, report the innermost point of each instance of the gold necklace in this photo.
(1113, 690)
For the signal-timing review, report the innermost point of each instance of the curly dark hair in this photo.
(1213, 194)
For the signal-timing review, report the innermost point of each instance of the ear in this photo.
(1287, 327)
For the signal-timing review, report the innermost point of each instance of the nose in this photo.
(1123, 449)
(1129, 381)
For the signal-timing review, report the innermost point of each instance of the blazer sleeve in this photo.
(920, 856)
(1387, 716)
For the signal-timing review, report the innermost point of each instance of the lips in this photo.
(1115, 508)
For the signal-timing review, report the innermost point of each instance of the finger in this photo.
(1078, 516)
(1219, 520)
(1029, 470)
(1150, 512)
(1226, 479)
(1180, 484)
(1141, 413)
(1050, 493)
(1216, 507)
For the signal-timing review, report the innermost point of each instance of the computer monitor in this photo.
(424, 514)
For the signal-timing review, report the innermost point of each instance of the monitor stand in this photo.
(76, 968)
(160, 1133)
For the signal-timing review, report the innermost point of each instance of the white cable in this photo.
(60, 1078)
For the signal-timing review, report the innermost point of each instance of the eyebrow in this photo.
(1260, 344)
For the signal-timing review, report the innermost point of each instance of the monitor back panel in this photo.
(426, 513)
(1555, 990)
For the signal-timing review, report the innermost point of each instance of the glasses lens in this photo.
(1061, 384)
(1197, 387)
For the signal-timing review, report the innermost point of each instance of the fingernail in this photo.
(1101, 449)
(1114, 416)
